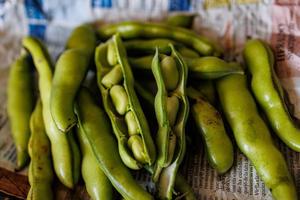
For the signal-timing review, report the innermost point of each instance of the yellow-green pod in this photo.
(171, 114)
(97, 184)
(253, 137)
(60, 147)
(20, 103)
(40, 172)
(70, 71)
(269, 94)
(82, 37)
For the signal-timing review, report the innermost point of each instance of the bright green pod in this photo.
(269, 93)
(211, 67)
(40, 172)
(82, 37)
(70, 71)
(119, 123)
(97, 184)
(208, 67)
(60, 148)
(253, 137)
(208, 120)
(95, 124)
(132, 30)
(165, 171)
(20, 103)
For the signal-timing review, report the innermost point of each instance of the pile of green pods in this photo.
(119, 97)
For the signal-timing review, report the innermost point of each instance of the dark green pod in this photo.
(209, 123)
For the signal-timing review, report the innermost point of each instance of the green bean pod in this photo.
(269, 93)
(132, 30)
(40, 168)
(97, 184)
(149, 47)
(118, 102)
(253, 137)
(181, 20)
(70, 71)
(20, 103)
(203, 67)
(60, 147)
(171, 108)
(83, 37)
(209, 123)
(95, 125)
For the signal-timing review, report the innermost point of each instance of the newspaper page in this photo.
(228, 22)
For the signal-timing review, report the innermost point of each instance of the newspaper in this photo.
(228, 22)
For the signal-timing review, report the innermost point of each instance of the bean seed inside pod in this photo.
(119, 98)
(170, 72)
(131, 122)
(135, 143)
(172, 109)
(112, 58)
(113, 77)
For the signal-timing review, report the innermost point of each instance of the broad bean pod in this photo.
(253, 137)
(203, 67)
(60, 147)
(94, 124)
(97, 184)
(141, 47)
(40, 171)
(116, 85)
(20, 103)
(269, 93)
(209, 123)
(131, 30)
(70, 71)
(172, 109)
(181, 20)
